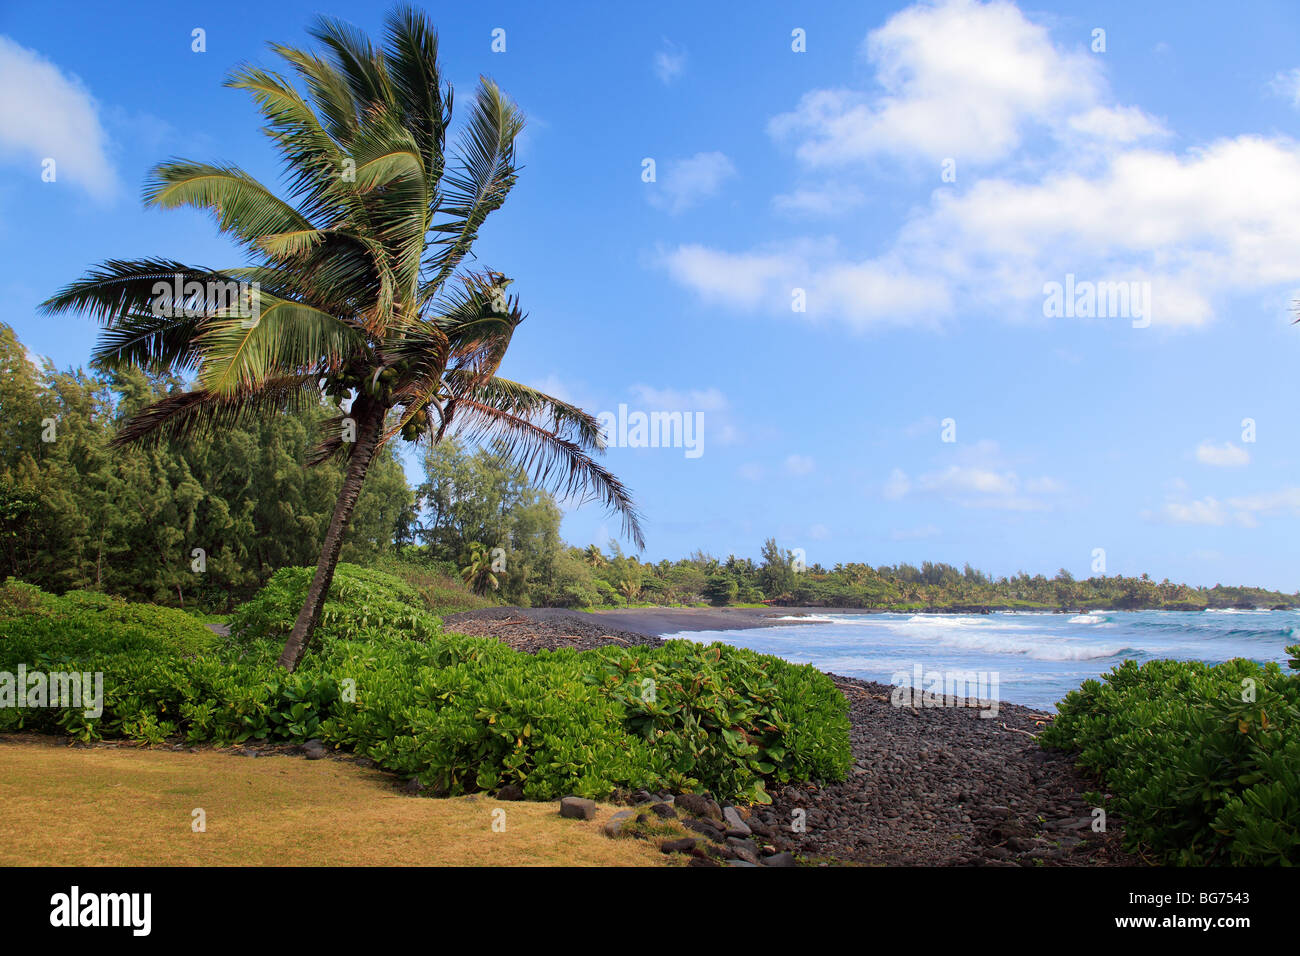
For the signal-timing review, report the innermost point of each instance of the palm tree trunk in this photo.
(369, 417)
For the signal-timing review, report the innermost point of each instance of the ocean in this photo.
(1037, 657)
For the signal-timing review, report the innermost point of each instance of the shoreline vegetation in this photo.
(524, 689)
(96, 528)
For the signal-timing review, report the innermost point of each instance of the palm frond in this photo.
(155, 343)
(412, 58)
(241, 205)
(331, 444)
(240, 353)
(483, 178)
(315, 161)
(556, 463)
(198, 411)
(515, 398)
(357, 62)
(329, 92)
(118, 287)
(478, 326)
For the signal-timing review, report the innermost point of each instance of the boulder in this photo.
(744, 850)
(706, 827)
(699, 806)
(684, 845)
(736, 827)
(614, 825)
(577, 808)
(313, 750)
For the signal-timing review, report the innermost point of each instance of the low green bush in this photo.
(1203, 761)
(361, 601)
(32, 622)
(459, 713)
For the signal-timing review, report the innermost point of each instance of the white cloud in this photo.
(1205, 511)
(751, 471)
(1044, 486)
(958, 79)
(45, 114)
(1283, 502)
(684, 400)
(897, 485)
(1117, 124)
(1226, 455)
(1287, 85)
(876, 292)
(819, 532)
(956, 479)
(1213, 222)
(825, 201)
(980, 479)
(1093, 200)
(553, 385)
(799, 465)
(741, 280)
(669, 62)
(1245, 510)
(709, 401)
(687, 181)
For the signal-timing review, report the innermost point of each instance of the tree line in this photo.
(203, 521)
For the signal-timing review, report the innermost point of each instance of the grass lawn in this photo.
(125, 806)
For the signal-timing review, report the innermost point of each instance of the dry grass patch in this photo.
(128, 806)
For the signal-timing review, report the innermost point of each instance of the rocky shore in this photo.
(541, 628)
(930, 785)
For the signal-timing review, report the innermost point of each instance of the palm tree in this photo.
(594, 556)
(478, 573)
(355, 283)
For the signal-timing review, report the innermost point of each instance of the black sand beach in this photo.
(671, 620)
(930, 786)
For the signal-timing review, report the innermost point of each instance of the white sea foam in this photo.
(1040, 648)
(1087, 619)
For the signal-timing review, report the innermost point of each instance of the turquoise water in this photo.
(1037, 658)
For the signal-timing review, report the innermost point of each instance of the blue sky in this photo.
(1168, 160)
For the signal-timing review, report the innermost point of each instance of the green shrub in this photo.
(438, 583)
(460, 713)
(608, 596)
(17, 598)
(729, 715)
(34, 621)
(361, 601)
(1204, 761)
